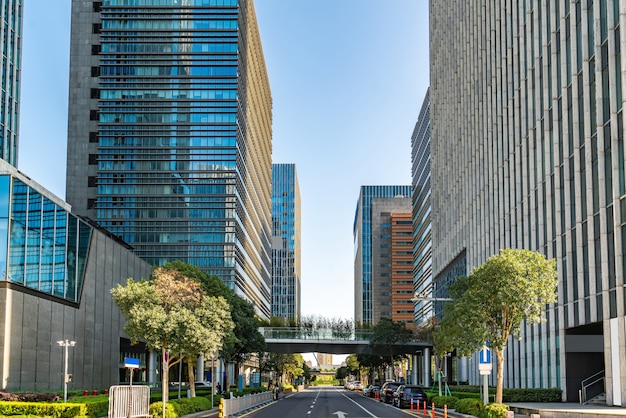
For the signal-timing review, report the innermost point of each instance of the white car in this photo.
(203, 384)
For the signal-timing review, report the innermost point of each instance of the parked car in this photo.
(371, 390)
(358, 386)
(386, 391)
(203, 384)
(406, 395)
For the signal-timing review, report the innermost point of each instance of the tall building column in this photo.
(414, 369)
(462, 365)
(152, 378)
(426, 371)
(200, 368)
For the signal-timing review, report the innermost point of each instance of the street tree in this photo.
(244, 339)
(492, 303)
(386, 335)
(171, 314)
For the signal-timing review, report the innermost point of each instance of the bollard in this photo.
(95, 392)
(432, 411)
(85, 393)
(220, 413)
(445, 410)
(425, 408)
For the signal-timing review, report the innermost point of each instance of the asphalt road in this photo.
(328, 402)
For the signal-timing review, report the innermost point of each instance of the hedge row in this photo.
(511, 394)
(54, 410)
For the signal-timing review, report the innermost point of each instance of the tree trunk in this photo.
(165, 376)
(191, 376)
(500, 374)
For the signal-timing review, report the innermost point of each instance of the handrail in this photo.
(592, 387)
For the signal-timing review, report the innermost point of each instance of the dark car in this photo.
(407, 395)
(386, 391)
(371, 391)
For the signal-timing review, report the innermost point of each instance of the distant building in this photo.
(286, 248)
(170, 134)
(375, 264)
(324, 360)
(56, 273)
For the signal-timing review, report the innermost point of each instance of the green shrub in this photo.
(532, 395)
(469, 406)
(494, 410)
(186, 406)
(156, 410)
(440, 401)
(40, 409)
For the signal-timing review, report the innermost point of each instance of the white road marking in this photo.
(357, 404)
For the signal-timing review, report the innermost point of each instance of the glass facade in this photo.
(42, 246)
(422, 240)
(11, 35)
(365, 250)
(286, 279)
(180, 163)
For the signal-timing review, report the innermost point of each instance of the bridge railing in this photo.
(297, 333)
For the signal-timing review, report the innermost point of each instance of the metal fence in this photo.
(233, 406)
(129, 402)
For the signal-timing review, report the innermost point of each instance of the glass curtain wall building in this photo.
(421, 193)
(373, 250)
(169, 137)
(286, 247)
(11, 35)
(528, 152)
(57, 271)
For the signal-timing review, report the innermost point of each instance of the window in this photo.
(93, 137)
(93, 159)
(95, 71)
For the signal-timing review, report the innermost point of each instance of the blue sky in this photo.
(348, 78)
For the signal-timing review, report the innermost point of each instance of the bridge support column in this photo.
(426, 369)
(414, 369)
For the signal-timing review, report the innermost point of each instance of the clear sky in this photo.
(348, 78)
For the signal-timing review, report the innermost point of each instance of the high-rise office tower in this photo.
(169, 137)
(11, 46)
(422, 241)
(528, 152)
(373, 241)
(286, 290)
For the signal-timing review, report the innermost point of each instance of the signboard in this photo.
(484, 361)
(131, 363)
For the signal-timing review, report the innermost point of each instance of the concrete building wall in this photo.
(32, 323)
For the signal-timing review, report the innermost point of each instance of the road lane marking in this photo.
(357, 404)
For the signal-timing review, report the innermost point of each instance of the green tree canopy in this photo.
(385, 335)
(492, 303)
(171, 313)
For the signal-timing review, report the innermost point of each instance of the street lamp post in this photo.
(66, 377)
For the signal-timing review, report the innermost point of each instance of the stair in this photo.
(598, 400)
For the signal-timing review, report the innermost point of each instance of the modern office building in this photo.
(528, 152)
(56, 272)
(11, 47)
(286, 247)
(374, 266)
(169, 134)
(421, 211)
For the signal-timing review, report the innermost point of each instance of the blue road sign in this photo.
(485, 356)
(131, 363)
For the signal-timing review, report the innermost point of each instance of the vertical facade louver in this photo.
(286, 243)
(528, 152)
(421, 213)
(169, 136)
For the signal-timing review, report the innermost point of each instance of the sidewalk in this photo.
(563, 410)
